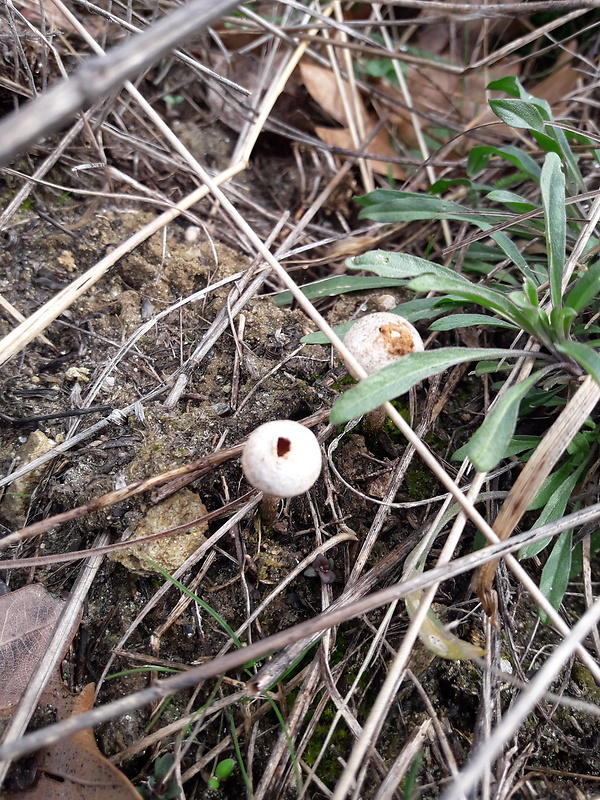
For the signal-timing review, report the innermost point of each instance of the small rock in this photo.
(170, 551)
(78, 374)
(18, 495)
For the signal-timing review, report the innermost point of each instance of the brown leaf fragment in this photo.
(380, 145)
(322, 86)
(47, 12)
(248, 71)
(27, 619)
(74, 768)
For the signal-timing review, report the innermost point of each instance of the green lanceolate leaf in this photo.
(516, 446)
(491, 299)
(531, 318)
(585, 289)
(508, 247)
(512, 201)
(329, 287)
(561, 320)
(552, 184)
(420, 308)
(399, 265)
(548, 488)
(488, 444)
(319, 338)
(443, 184)
(513, 86)
(568, 157)
(387, 205)
(584, 355)
(509, 84)
(409, 207)
(387, 383)
(479, 157)
(530, 291)
(553, 510)
(555, 575)
(519, 114)
(454, 321)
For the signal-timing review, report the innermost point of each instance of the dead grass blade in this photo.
(531, 478)
(524, 705)
(100, 76)
(33, 741)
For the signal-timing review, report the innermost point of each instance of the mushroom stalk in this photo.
(268, 509)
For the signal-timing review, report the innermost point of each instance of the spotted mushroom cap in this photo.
(378, 340)
(282, 458)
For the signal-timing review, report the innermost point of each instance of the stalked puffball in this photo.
(378, 340)
(282, 458)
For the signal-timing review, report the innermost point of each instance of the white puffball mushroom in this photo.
(282, 458)
(376, 341)
(380, 339)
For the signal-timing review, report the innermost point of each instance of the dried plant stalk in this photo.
(539, 466)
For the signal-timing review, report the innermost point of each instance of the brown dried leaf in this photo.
(52, 16)
(341, 137)
(27, 619)
(72, 769)
(248, 70)
(322, 86)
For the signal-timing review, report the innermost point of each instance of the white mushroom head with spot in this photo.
(282, 458)
(378, 340)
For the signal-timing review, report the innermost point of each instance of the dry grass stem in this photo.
(165, 259)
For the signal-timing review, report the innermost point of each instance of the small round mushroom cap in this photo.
(378, 340)
(282, 458)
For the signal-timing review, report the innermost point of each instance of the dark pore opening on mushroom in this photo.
(283, 447)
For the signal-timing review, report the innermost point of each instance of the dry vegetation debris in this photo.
(145, 336)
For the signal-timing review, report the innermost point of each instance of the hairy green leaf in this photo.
(387, 383)
(516, 446)
(552, 184)
(454, 321)
(553, 510)
(519, 114)
(472, 292)
(387, 205)
(555, 574)
(340, 284)
(479, 157)
(585, 289)
(586, 357)
(512, 201)
(488, 444)
(399, 265)
(319, 338)
(508, 84)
